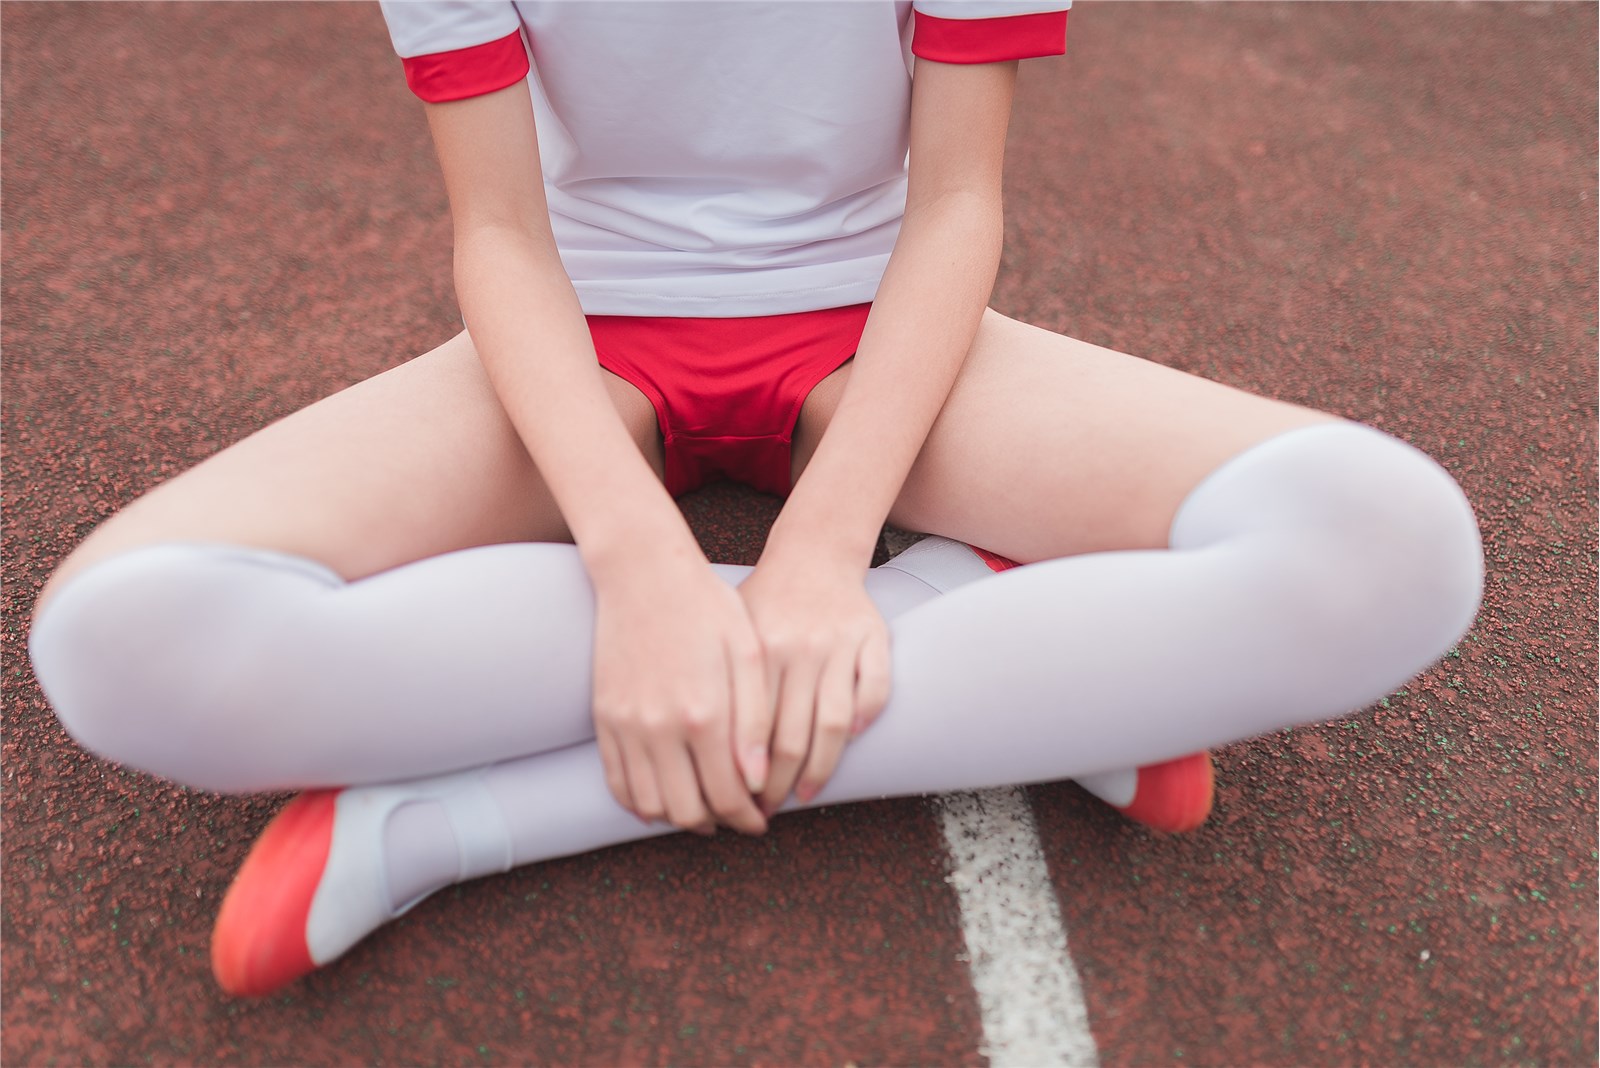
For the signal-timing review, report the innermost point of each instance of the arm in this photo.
(923, 320)
(824, 639)
(508, 275)
(667, 681)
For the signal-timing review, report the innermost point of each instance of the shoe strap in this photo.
(483, 841)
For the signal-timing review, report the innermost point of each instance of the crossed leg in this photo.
(413, 465)
(1285, 535)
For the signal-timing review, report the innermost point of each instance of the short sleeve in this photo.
(988, 31)
(454, 49)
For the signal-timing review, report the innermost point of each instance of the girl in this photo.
(750, 240)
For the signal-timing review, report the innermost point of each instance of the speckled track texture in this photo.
(215, 214)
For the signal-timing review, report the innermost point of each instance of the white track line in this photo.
(1028, 994)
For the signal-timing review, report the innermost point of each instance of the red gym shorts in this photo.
(727, 392)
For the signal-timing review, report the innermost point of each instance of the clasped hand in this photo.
(712, 704)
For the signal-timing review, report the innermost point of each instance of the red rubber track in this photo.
(215, 214)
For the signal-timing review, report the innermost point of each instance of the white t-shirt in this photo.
(716, 157)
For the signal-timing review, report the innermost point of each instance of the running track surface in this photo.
(217, 214)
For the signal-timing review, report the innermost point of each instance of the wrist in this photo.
(819, 548)
(655, 543)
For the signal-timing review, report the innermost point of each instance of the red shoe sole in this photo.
(995, 561)
(259, 942)
(1175, 796)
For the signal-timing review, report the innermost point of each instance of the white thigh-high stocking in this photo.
(242, 670)
(1306, 577)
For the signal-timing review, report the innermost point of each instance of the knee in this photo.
(1428, 540)
(1370, 548)
(1402, 551)
(102, 659)
(133, 651)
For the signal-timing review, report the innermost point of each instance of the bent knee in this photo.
(1411, 532)
(133, 651)
(1373, 546)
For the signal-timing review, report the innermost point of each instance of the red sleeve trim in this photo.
(465, 72)
(993, 40)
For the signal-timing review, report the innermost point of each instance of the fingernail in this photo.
(805, 793)
(858, 725)
(755, 768)
(706, 830)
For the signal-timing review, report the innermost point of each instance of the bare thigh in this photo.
(1049, 446)
(417, 461)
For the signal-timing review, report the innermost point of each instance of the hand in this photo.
(827, 669)
(676, 662)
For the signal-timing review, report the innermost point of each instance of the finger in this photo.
(680, 788)
(753, 704)
(640, 770)
(831, 729)
(616, 772)
(722, 787)
(872, 680)
(791, 737)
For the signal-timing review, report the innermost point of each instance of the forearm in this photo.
(921, 327)
(678, 675)
(530, 333)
